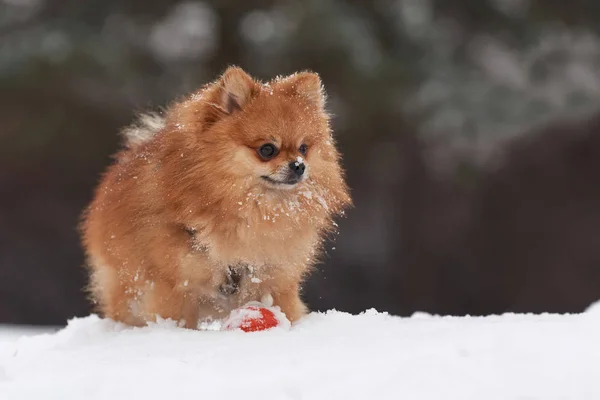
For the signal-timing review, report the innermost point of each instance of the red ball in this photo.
(266, 320)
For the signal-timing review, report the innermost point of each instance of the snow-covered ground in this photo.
(326, 356)
(11, 333)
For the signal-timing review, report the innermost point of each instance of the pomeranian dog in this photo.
(225, 199)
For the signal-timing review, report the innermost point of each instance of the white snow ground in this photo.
(326, 356)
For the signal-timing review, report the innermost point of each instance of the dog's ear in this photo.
(227, 95)
(236, 88)
(306, 84)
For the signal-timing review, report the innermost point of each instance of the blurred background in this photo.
(470, 131)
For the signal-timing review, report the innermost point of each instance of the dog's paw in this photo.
(267, 300)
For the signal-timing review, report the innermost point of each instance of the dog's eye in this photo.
(267, 151)
(302, 149)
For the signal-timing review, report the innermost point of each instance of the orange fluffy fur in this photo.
(185, 203)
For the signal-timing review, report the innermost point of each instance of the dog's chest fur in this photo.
(257, 240)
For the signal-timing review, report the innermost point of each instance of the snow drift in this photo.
(326, 356)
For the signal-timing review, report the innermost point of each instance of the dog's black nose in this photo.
(297, 167)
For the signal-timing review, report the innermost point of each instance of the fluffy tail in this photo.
(143, 129)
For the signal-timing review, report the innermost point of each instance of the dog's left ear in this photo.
(307, 85)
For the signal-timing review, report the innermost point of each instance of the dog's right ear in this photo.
(236, 89)
(225, 96)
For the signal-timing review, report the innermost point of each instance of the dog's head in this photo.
(268, 138)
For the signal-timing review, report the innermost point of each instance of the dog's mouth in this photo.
(289, 182)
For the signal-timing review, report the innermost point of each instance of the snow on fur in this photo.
(325, 356)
